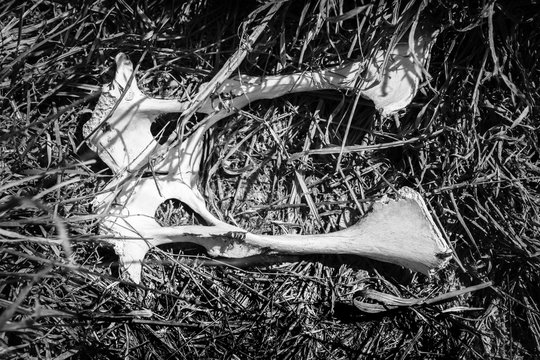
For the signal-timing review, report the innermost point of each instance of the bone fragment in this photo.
(390, 86)
(399, 231)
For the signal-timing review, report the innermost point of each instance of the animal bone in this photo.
(391, 87)
(399, 231)
(390, 79)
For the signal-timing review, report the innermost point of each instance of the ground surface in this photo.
(475, 161)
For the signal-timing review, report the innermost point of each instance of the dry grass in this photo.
(468, 143)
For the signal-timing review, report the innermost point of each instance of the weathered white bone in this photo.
(399, 231)
(390, 79)
(123, 139)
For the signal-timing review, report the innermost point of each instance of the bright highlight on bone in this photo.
(399, 231)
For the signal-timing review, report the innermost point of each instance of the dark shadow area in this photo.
(174, 212)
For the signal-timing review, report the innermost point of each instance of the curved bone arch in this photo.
(399, 231)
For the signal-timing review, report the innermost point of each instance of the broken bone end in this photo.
(441, 250)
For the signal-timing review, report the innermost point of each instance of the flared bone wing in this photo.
(119, 131)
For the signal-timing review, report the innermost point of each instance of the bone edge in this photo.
(445, 253)
(336, 243)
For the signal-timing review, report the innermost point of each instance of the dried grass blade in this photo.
(12, 309)
(229, 67)
(359, 148)
(391, 302)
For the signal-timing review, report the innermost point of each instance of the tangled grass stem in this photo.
(468, 142)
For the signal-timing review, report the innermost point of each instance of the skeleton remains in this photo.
(399, 231)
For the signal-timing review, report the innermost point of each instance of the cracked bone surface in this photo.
(399, 231)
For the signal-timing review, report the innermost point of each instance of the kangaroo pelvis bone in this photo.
(399, 230)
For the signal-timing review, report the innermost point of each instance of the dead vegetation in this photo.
(469, 143)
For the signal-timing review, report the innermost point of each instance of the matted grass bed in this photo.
(469, 143)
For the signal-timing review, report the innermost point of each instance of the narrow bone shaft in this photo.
(399, 232)
(271, 87)
(160, 106)
(275, 86)
(383, 246)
